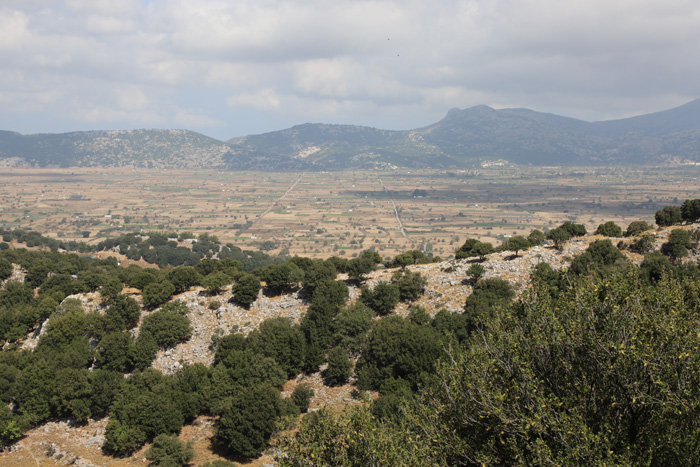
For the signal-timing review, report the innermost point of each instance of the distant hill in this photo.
(462, 138)
(137, 148)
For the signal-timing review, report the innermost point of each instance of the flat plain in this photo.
(319, 214)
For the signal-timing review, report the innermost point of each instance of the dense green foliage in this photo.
(596, 363)
(474, 248)
(609, 229)
(339, 367)
(605, 372)
(637, 227)
(245, 290)
(169, 451)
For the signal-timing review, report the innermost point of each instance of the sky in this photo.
(230, 68)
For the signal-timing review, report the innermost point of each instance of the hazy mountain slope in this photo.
(463, 137)
(139, 148)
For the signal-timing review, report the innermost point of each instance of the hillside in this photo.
(129, 148)
(461, 139)
(67, 441)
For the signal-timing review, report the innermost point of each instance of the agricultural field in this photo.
(340, 213)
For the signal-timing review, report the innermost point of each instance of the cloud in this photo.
(385, 63)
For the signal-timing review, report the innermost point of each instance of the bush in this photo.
(411, 284)
(516, 243)
(609, 229)
(246, 289)
(248, 421)
(677, 244)
(397, 348)
(301, 396)
(643, 244)
(476, 272)
(690, 210)
(382, 299)
(169, 451)
(339, 367)
(488, 294)
(670, 215)
(215, 281)
(536, 238)
(167, 328)
(157, 293)
(637, 227)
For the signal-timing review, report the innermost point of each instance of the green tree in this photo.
(677, 244)
(215, 281)
(124, 311)
(5, 269)
(559, 236)
(411, 284)
(475, 272)
(382, 299)
(183, 277)
(575, 230)
(114, 352)
(301, 396)
(245, 290)
(482, 249)
(339, 367)
(637, 227)
(351, 325)
(397, 348)
(690, 210)
(536, 238)
(316, 273)
(167, 328)
(516, 243)
(362, 265)
(157, 293)
(609, 229)
(280, 339)
(111, 288)
(248, 421)
(169, 451)
(670, 215)
(488, 295)
(598, 255)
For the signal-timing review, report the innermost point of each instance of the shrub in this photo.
(609, 229)
(382, 299)
(169, 451)
(246, 289)
(157, 293)
(339, 367)
(167, 328)
(248, 421)
(301, 396)
(637, 227)
(670, 215)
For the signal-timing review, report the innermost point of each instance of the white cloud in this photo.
(265, 99)
(385, 63)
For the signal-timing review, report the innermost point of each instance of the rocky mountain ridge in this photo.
(461, 139)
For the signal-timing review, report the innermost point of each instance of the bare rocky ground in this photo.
(60, 443)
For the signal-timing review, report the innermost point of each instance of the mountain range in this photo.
(461, 139)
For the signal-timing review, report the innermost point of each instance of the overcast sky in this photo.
(238, 67)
